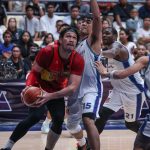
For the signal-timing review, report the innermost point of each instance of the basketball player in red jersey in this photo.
(57, 70)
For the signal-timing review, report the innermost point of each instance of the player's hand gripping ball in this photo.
(30, 95)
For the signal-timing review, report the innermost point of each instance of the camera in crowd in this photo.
(34, 49)
(7, 70)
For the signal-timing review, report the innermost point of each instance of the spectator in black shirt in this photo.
(121, 14)
(144, 11)
(25, 42)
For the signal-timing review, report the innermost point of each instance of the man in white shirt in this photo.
(30, 23)
(48, 21)
(74, 14)
(144, 33)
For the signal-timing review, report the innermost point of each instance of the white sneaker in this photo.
(45, 128)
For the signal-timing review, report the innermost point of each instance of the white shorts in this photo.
(131, 103)
(91, 103)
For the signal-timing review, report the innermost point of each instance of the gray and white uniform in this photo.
(89, 95)
(128, 92)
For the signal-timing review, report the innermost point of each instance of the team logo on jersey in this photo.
(51, 76)
(4, 104)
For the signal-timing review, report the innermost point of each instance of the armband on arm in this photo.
(111, 75)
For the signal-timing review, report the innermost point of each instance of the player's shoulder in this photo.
(78, 59)
(48, 49)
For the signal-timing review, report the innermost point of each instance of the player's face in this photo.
(107, 36)
(86, 26)
(69, 41)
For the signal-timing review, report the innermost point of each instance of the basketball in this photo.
(30, 95)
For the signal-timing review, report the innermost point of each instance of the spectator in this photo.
(37, 7)
(6, 47)
(144, 11)
(144, 32)
(30, 23)
(28, 61)
(3, 15)
(48, 39)
(106, 23)
(12, 27)
(105, 8)
(126, 39)
(134, 22)
(74, 14)
(121, 14)
(16, 6)
(48, 21)
(25, 42)
(17, 62)
(58, 25)
(140, 51)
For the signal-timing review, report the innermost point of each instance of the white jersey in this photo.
(91, 80)
(133, 84)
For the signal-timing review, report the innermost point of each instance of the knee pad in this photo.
(74, 129)
(134, 126)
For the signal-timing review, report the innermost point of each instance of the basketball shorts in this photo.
(131, 104)
(90, 103)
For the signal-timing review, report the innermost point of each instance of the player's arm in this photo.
(73, 83)
(34, 75)
(38, 65)
(120, 74)
(94, 39)
(113, 52)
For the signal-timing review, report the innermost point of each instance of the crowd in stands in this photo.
(20, 40)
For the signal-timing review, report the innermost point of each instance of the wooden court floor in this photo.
(110, 140)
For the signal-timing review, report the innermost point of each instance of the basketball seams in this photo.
(31, 104)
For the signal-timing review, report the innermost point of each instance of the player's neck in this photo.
(63, 53)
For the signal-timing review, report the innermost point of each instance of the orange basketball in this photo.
(30, 95)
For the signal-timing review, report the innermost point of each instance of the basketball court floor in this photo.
(35, 140)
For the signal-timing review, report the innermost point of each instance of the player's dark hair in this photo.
(69, 29)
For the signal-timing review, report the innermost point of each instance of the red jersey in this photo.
(56, 71)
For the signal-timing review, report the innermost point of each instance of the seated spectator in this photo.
(72, 18)
(144, 11)
(105, 8)
(144, 32)
(25, 42)
(140, 51)
(121, 14)
(30, 23)
(48, 21)
(34, 49)
(3, 15)
(39, 8)
(12, 27)
(6, 47)
(48, 39)
(17, 61)
(134, 22)
(16, 6)
(58, 25)
(126, 39)
(105, 23)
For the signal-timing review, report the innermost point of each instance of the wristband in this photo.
(111, 74)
